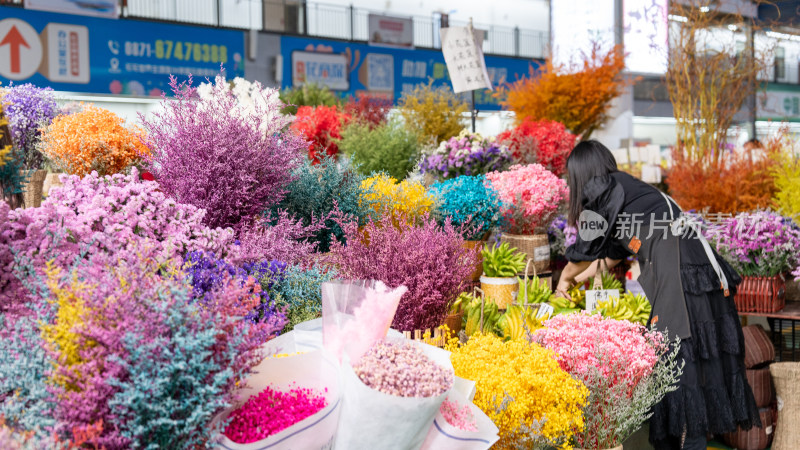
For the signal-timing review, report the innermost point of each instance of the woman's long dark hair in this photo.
(587, 160)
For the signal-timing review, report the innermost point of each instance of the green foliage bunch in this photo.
(389, 148)
(317, 190)
(310, 94)
(502, 261)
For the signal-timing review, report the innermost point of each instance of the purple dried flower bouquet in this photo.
(466, 154)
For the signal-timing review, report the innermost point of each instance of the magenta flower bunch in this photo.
(211, 154)
(99, 216)
(428, 258)
(272, 411)
(530, 195)
(278, 237)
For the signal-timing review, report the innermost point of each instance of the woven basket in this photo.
(476, 275)
(760, 382)
(761, 294)
(758, 347)
(454, 322)
(786, 377)
(32, 192)
(535, 247)
(756, 438)
(51, 181)
(503, 291)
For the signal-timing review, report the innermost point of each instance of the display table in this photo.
(783, 326)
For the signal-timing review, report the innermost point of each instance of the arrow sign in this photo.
(20, 49)
(15, 40)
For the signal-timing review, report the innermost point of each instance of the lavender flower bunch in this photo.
(211, 154)
(557, 237)
(469, 203)
(29, 109)
(762, 243)
(466, 154)
(209, 277)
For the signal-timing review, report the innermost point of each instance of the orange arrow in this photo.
(15, 40)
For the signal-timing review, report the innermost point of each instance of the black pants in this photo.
(672, 443)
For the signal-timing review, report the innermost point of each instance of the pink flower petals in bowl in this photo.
(458, 416)
(403, 370)
(271, 412)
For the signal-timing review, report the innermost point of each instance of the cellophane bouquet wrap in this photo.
(356, 314)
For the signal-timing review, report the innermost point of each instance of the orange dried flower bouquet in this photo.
(92, 139)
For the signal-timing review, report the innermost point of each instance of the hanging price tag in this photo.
(595, 296)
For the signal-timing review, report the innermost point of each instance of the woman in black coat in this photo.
(689, 286)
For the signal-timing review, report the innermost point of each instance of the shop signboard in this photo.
(106, 56)
(388, 30)
(388, 71)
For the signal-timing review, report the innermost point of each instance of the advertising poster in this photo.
(107, 56)
(385, 71)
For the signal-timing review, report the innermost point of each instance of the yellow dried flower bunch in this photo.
(387, 196)
(61, 335)
(92, 139)
(5, 151)
(527, 376)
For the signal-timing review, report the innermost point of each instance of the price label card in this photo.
(545, 311)
(593, 297)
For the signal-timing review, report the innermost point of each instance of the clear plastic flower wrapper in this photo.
(451, 436)
(316, 371)
(356, 314)
(376, 420)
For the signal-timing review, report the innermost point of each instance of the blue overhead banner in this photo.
(107, 56)
(353, 68)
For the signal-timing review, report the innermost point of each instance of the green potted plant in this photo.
(501, 264)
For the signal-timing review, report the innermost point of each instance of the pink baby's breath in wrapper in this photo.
(356, 314)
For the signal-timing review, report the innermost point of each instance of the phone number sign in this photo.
(84, 54)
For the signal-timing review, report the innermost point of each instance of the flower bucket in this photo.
(50, 181)
(761, 294)
(535, 246)
(32, 191)
(786, 376)
(503, 291)
(476, 275)
(454, 322)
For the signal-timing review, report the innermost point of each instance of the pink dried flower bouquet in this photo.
(577, 340)
(530, 195)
